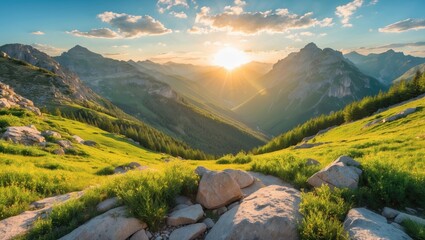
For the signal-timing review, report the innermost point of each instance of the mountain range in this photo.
(208, 107)
(386, 66)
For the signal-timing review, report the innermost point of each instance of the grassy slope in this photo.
(50, 174)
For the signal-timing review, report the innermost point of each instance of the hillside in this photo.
(385, 66)
(411, 73)
(305, 84)
(156, 103)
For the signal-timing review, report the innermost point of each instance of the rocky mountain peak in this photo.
(79, 51)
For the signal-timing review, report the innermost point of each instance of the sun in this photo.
(230, 58)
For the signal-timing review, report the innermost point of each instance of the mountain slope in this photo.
(410, 74)
(143, 96)
(385, 66)
(49, 86)
(306, 84)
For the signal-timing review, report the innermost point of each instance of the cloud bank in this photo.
(404, 25)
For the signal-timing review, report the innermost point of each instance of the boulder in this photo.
(404, 216)
(220, 210)
(201, 170)
(113, 224)
(402, 114)
(24, 135)
(187, 215)
(65, 144)
(235, 204)
(361, 223)
(270, 213)
(108, 204)
(128, 167)
(188, 232)
(90, 143)
(342, 173)
(217, 189)
(78, 139)
(389, 212)
(50, 133)
(208, 222)
(307, 145)
(180, 206)
(243, 178)
(139, 235)
(59, 151)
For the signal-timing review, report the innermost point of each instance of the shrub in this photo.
(288, 168)
(240, 158)
(323, 211)
(414, 230)
(109, 170)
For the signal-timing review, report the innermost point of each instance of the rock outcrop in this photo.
(188, 232)
(217, 189)
(113, 224)
(10, 99)
(243, 178)
(270, 213)
(361, 223)
(27, 135)
(186, 215)
(402, 114)
(342, 173)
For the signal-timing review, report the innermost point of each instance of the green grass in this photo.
(148, 195)
(414, 230)
(240, 158)
(29, 173)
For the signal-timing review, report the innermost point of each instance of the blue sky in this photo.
(192, 31)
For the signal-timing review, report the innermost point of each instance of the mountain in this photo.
(385, 66)
(226, 89)
(142, 95)
(410, 74)
(50, 85)
(307, 83)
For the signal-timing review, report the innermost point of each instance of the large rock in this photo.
(217, 189)
(342, 173)
(65, 144)
(140, 235)
(113, 224)
(50, 133)
(404, 216)
(189, 232)
(243, 178)
(270, 213)
(23, 135)
(9, 99)
(186, 215)
(362, 224)
(78, 139)
(402, 114)
(107, 204)
(201, 170)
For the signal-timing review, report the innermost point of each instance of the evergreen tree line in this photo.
(399, 92)
(147, 136)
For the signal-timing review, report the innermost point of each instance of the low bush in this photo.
(414, 230)
(240, 158)
(287, 168)
(323, 211)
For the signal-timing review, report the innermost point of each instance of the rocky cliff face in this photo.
(308, 83)
(10, 99)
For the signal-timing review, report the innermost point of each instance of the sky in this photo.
(191, 31)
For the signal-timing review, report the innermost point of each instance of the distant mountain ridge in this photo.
(386, 66)
(140, 94)
(410, 74)
(307, 83)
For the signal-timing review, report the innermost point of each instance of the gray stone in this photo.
(140, 235)
(208, 222)
(23, 135)
(188, 232)
(389, 212)
(404, 216)
(220, 211)
(113, 224)
(201, 170)
(361, 224)
(244, 179)
(180, 206)
(78, 139)
(217, 189)
(307, 145)
(65, 144)
(107, 204)
(90, 143)
(59, 151)
(50, 133)
(270, 213)
(235, 204)
(342, 173)
(187, 215)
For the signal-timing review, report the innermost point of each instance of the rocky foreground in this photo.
(230, 204)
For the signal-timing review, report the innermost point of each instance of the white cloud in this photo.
(121, 46)
(37, 33)
(96, 33)
(49, 50)
(346, 11)
(178, 14)
(373, 2)
(128, 26)
(308, 34)
(404, 25)
(161, 44)
(235, 20)
(164, 5)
